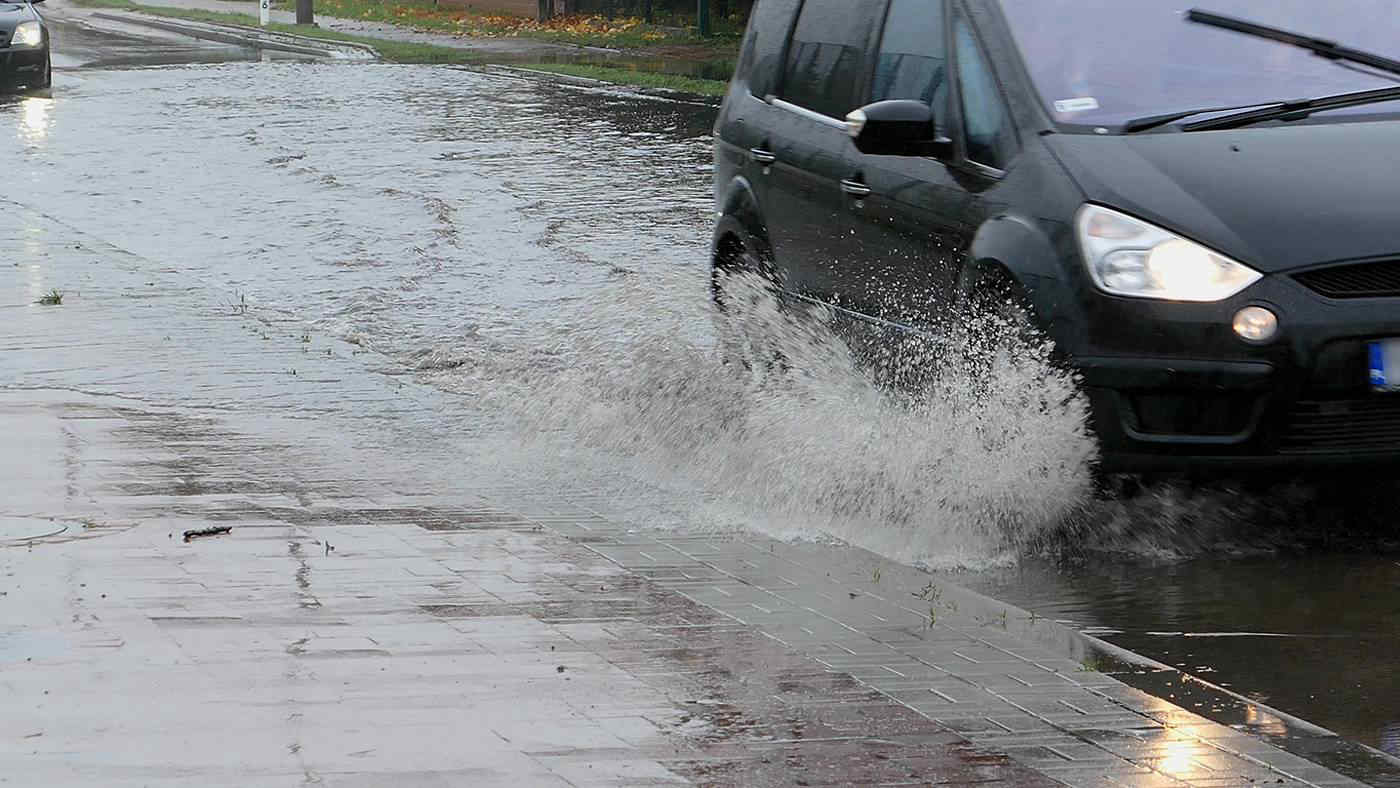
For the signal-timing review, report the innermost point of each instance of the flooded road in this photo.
(77, 45)
(540, 252)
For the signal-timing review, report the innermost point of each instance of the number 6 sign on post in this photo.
(264, 11)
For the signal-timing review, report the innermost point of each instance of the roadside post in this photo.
(703, 17)
(304, 13)
(264, 11)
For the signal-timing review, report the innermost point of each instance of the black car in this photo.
(24, 46)
(1201, 209)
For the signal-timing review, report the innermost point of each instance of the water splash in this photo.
(776, 422)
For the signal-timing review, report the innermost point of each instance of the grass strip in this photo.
(627, 76)
(580, 29)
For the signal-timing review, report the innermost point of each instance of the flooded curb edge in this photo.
(1078, 645)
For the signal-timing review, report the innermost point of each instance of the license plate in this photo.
(1385, 365)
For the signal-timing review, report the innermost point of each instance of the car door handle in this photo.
(761, 156)
(855, 188)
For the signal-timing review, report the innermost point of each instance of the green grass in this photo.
(393, 51)
(52, 298)
(627, 76)
(585, 30)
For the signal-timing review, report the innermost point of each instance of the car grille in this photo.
(1344, 427)
(1357, 280)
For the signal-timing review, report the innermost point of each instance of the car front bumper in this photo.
(1172, 388)
(23, 66)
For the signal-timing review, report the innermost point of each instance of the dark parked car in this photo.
(1218, 257)
(24, 46)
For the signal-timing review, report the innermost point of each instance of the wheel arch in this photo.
(1011, 250)
(740, 224)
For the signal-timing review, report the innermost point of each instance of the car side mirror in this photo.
(898, 127)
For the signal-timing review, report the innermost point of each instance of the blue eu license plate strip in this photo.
(1385, 365)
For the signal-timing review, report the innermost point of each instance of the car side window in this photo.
(826, 54)
(988, 131)
(762, 59)
(913, 59)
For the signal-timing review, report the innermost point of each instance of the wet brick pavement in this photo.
(379, 616)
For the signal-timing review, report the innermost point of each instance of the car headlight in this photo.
(27, 34)
(1129, 257)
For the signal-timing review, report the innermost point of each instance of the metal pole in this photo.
(703, 17)
(304, 13)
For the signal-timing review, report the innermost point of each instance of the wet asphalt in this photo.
(462, 224)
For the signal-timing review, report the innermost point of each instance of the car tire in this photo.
(998, 317)
(740, 254)
(1000, 299)
(48, 72)
(742, 342)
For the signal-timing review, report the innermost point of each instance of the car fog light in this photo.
(1256, 324)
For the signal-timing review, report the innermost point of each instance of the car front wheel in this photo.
(747, 307)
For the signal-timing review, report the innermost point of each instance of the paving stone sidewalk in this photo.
(369, 621)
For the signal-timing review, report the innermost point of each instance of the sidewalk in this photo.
(383, 613)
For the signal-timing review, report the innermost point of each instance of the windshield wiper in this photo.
(1295, 110)
(1274, 110)
(1318, 46)
(1153, 121)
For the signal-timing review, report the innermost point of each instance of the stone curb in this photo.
(1075, 644)
(754, 568)
(1078, 645)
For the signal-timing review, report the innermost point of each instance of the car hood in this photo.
(1275, 198)
(12, 14)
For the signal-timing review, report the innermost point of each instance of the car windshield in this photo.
(1103, 62)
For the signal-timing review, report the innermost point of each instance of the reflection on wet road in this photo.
(77, 45)
(1313, 634)
(508, 239)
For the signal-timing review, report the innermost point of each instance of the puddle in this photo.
(77, 46)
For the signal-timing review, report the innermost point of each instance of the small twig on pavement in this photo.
(214, 531)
